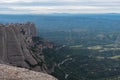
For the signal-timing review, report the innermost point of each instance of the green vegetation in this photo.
(109, 45)
(115, 57)
(85, 55)
(97, 47)
(76, 46)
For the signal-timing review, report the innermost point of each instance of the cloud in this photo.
(27, 1)
(15, 1)
(65, 9)
(59, 6)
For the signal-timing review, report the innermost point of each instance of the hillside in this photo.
(84, 55)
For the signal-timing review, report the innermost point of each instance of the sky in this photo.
(59, 6)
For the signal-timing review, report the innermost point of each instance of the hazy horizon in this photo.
(62, 6)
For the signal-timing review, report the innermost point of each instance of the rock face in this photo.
(20, 46)
(14, 73)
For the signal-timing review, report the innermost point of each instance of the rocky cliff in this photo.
(14, 73)
(20, 46)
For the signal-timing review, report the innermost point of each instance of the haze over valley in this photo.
(84, 46)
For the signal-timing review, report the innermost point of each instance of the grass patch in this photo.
(97, 47)
(110, 45)
(76, 46)
(115, 57)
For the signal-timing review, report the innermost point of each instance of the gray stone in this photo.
(15, 73)
(15, 46)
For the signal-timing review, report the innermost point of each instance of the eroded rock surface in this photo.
(14, 73)
(20, 46)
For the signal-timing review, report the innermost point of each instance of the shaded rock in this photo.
(17, 47)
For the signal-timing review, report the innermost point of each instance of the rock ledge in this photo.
(14, 73)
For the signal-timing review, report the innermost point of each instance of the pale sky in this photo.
(58, 6)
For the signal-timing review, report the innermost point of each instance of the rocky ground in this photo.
(15, 73)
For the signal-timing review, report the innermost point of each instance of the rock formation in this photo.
(20, 46)
(14, 73)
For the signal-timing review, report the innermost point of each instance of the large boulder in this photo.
(15, 73)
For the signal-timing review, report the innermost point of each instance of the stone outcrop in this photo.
(20, 46)
(14, 73)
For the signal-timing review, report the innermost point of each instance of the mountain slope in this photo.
(20, 46)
